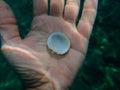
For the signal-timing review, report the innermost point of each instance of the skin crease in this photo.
(38, 67)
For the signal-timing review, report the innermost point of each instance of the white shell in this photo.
(59, 43)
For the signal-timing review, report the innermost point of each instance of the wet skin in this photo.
(38, 67)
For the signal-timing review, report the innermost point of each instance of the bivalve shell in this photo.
(59, 43)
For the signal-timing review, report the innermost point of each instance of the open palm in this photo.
(38, 67)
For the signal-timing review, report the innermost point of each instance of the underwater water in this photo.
(101, 69)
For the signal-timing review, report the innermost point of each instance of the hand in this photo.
(39, 69)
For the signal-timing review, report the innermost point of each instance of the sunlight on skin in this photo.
(17, 49)
(40, 69)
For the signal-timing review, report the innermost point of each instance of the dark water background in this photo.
(101, 69)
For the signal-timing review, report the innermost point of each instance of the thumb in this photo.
(8, 27)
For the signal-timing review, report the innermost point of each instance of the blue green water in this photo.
(101, 69)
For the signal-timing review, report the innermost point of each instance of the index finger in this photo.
(40, 7)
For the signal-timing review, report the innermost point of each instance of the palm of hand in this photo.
(32, 51)
(33, 61)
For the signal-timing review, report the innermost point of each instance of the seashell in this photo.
(59, 43)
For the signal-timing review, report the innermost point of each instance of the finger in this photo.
(40, 7)
(56, 7)
(8, 27)
(88, 17)
(72, 10)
